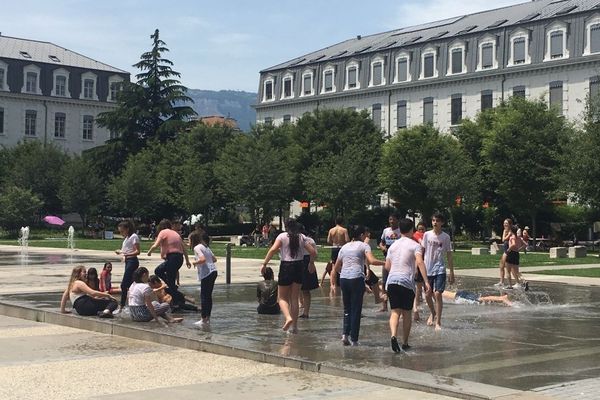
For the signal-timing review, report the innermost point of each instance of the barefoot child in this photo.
(207, 273)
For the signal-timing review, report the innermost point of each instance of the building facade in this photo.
(54, 95)
(445, 71)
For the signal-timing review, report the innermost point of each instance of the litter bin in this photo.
(108, 235)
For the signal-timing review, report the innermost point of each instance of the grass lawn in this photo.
(583, 272)
(462, 259)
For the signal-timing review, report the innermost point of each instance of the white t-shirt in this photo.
(353, 256)
(311, 241)
(402, 255)
(389, 236)
(137, 292)
(436, 247)
(209, 266)
(129, 243)
(284, 250)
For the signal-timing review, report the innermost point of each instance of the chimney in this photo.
(358, 37)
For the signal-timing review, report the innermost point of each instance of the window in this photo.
(519, 51)
(287, 119)
(114, 89)
(556, 42)
(328, 78)
(376, 115)
(268, 121)
(31, 82)
(88, 127)
(268, 91)
(428, 110)
(592, 35)
(428, 66)
(59, 125)
(402, 68)
(1, 120)
(307, 84)
(487, 53)
(457, 61)
(377, 77)
(594, 86)
(487, 100)
(287, 87)
(519, 91)
(556, 96)
(88, 89)
(60, 85)
(30, 119)
(352, 76)
(2, 76)
(401, 114)
(455, 109)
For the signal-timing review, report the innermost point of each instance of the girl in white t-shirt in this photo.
(142, 304)
(130, 249)
(204, 261)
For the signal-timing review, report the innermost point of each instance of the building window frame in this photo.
(377, 114)
(519, 34)
(456, 100)
(288, 77)
(115, 85)
(269, 80)
(463, 48)
(427, 101)
(352, 65)
(427, 52)
(560, 87)
(310, 92)
(487, 40)
(554, 28)
(85, 78)
(402, 56)
(402, 105)
(60, 72)
(3, 78)
(30, 123)
(2, 118)
(591, 23)
(87, 128)
(519, 89)
(328, 70)
(375, 61)
(60, 123)
(31, 69)
(486, 93)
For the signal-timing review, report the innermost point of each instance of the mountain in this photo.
(228, 103)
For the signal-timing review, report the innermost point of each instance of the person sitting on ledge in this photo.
(266, 292)
(140, 299)
(85, 300)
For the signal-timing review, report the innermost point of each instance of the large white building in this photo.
(54, 95)
(444, 71)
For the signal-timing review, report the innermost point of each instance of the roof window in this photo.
(498, 23)
(565, 10)
(25, 54)
(54, 58)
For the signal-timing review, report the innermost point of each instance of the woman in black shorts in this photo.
(85, 300)
(515, 243)
(290, 245)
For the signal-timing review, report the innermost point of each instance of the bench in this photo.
(480, 251)
(577, 252)
(558, 252)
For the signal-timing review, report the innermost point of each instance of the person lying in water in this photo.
(474, 298)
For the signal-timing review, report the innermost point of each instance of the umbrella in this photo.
(53, 220)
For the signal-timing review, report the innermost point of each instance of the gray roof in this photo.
(49, 53)
(452, 27)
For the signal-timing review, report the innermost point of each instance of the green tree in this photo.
(154, 107)
(18, 207)
(81, 189)
(424, 170)
(523, 149)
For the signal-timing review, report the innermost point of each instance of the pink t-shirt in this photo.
(170, 242)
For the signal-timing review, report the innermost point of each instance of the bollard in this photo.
(228, 263)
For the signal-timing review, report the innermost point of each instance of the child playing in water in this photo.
(158, 286)
(474, 298)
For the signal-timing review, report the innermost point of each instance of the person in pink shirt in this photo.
(173, 252)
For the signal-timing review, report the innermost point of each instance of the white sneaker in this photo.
(117, 312)
(499, 285)
(517, 286)
(354, 344)
(199, 324)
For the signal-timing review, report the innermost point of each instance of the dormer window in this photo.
(377, 77)
(328, 80)
(307, 83)
(487, 54)
(592, 33)
(115, 84)
(88, 86)
(54, 58)
(3, 74)
(268, 89)
(519, 48)
(25, 54)
(402, 68)
(61, 83)
(429, 64)
(352, 76)
(457, 59)
(31, 80)
(556, 42)
(287, 91)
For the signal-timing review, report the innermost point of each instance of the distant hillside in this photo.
(228, 103)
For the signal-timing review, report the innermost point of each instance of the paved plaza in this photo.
(543, 346)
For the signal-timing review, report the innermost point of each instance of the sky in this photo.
(217, 45)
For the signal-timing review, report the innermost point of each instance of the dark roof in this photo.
(448, 28)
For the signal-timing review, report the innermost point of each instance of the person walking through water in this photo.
(172, 251)
(336, 237)
(515, 243)
(351, 263)
(508, 224)
(388, 236)
(289, 244)
(437, 246)
(403, 256)
(130, 249)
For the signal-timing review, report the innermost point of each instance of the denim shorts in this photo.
(437, 282)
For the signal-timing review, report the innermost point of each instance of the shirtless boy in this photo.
(337, 237)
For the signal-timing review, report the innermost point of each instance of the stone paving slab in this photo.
(585, 389)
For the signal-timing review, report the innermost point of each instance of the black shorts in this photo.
(335, 251)
(512, 257)
(400, 297)
(419, 277)
(372, 279)
(310, 280)
(290, 272)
